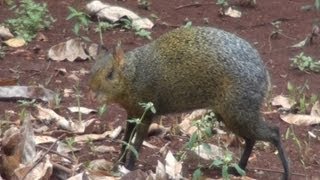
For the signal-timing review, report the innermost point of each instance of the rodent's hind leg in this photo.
(249, 143)
(284, 160)
(246, 153)
(141, 133)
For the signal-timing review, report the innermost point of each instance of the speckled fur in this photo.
(192, 68)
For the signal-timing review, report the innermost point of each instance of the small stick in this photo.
(275, 171)
(55, 152)
(40, 159)
(196, 4)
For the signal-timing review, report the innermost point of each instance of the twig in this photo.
(43, 155)
(275, 171)
(55, 152)
(62, 168)
(196, 4)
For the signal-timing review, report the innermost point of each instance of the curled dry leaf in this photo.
(315, 110)
(42, 170)
(71, 50)
(83, 110)
(26, 92)
(232, 13)
(173, 167)
(300, 119)
(114, 13)
(44, 139)
(104, 149)
(5, 33)
(49, 114)
(186, 124)
(282, 101)
(161, 171)
(93, 137)
(15, 42)
(208, 151)
(115, 133)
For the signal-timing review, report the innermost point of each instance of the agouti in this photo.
(190, 68)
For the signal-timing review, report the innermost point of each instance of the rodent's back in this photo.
(198, 67)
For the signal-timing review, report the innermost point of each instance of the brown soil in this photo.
(32, 68)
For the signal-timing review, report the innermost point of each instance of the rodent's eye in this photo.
(110, 75)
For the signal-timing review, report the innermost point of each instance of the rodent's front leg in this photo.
(141, 134)
(128, 131)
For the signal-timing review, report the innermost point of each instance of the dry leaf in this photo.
(315, 110)
(104, 149)
(232, 13)
(71, 50)
(26, 92)
(300, 119)
(114, 13)
(44, 139)
(42, 170)
(283, 101)
(209, 151)
(5, 33)
(173, 167)
(83, 110)
(15, 42)
(186, 124)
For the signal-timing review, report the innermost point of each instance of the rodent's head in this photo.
(107, 75)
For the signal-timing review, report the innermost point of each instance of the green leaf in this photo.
(239, 170)
(131, 148)
(197, 174)
(225, 173)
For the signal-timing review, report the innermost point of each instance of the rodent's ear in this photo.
(118, 55)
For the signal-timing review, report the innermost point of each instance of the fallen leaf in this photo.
(208, 151)
(71, 50)
(104, 149)
(42, 170)
(15, 42)
(232, 13)
(5, 33)
(302, 43)
(282, 101)
(44, 139)
(26, 92)
(114, 13)
(300, 119)
(173, 167)
(186, 124)
(315, 110)
(83, 110)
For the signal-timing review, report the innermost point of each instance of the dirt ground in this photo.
(31, 67)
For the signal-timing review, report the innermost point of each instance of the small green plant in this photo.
(147, 107)
(102, 109)
(27, 103)
(70, 142)
(82, 20)
(223, 3)
(298, 94)
(226, 163)
(317, 4)
(2, 52)
(143, 33)
(57, 101)
(30, 18)
(144, 4)
(78, 97)
(305, 63)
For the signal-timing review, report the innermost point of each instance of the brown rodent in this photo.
(190, 68)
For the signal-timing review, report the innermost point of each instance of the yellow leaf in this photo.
(15, 42)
